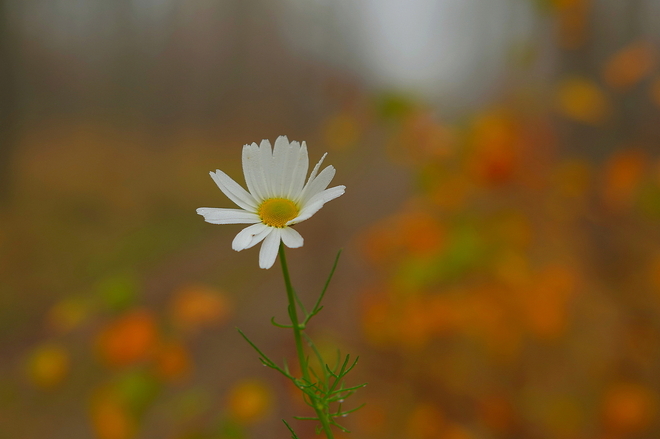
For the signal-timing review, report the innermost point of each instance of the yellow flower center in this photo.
(276, 212)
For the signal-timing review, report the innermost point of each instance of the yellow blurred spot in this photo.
(196, 306)
(110, 419)
(629, 408)
(342, 131)
(67, 315)
(249, 401)
(630, 65)
(426, 422)
(582, 100)
(172, 361)
(623, 174)
(48, 366)
(128, 339)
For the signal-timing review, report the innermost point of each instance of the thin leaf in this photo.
(305, 418)
(317, 305)
(342, 414)
(295, 296)
(264, 358)
(341, 427)
(349, 389)
(274, 323)
(293, 434)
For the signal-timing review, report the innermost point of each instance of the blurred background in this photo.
(501, 267)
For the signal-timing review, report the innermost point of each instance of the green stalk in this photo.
(297, 335)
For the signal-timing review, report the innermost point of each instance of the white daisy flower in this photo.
(278, 196)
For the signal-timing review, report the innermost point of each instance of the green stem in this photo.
(297, 335)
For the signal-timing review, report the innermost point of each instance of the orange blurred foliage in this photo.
(110, 419)
(629, 408)
(193, 307)
(456, 431)
(580, 99)
(630, 65)
(48, 365)
(452, 192)
(425, 422)
(408, 322)
(414, 232)
(496, 140)
(421, 138)
(546, 301)
(512, 269)
(622, 176)
(128, 339)
(172, 361)
(487, 317)
(376, 318)
(372, 418)
(497, 413)
(654, 273)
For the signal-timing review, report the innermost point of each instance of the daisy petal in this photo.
(216, 215)
(266, 160)
(234, 191)
(268, 252)
(309, 210)
(299, 172)
(291, 238)
(288, 173)
(245, 236)
(252, 171)
(318, 184)
(311, 178)
(281, 153)
(329, 194)
(260, 237)
(316, 203)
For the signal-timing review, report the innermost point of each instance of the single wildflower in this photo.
(278, 196)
